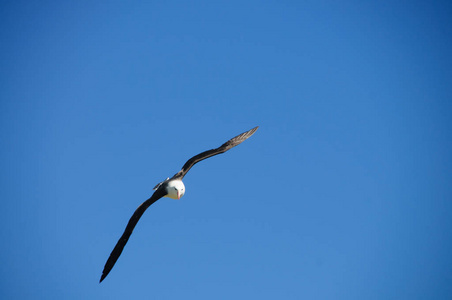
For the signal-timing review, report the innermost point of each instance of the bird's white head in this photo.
(175, 189)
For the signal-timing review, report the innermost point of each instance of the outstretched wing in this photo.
(159, 193)
(209, 153)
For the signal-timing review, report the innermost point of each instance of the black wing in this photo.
(209, 153)
(159, 193)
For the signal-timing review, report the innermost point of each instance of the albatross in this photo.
(172, 188)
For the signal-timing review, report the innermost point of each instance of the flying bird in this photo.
(172, 188)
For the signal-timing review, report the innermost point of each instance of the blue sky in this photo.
(344, 192)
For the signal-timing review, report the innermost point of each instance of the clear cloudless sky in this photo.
(344, 192)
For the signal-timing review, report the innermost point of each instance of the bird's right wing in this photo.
(159, 193)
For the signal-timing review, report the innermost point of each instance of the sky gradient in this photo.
(344, 192)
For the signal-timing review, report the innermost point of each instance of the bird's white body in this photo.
(175, 189)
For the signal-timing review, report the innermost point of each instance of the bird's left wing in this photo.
(159, 193)
(209, 153)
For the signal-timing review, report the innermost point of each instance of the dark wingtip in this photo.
(249, 133)
(102, 277)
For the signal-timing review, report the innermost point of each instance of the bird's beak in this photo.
(178, 195)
